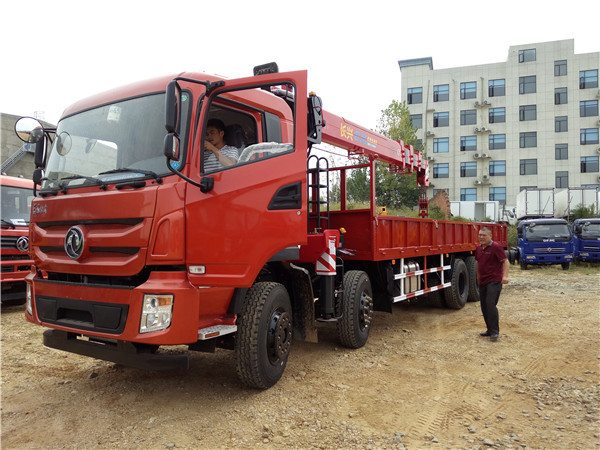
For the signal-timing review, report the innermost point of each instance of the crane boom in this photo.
(357, 139)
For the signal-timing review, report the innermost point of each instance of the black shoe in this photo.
(485, 333)
(493, 337)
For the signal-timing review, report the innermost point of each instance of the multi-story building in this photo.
(492, 130)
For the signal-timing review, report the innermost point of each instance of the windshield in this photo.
(590, 231)
(549, 233)
(114, 137)
(16, 204)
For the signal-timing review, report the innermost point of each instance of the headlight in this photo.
(157, 311)
(28, 299)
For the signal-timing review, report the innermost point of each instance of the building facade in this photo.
(492, 130)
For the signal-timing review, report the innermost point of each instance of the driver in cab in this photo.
(217, 155)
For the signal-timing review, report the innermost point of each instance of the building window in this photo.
(468, 194)
(528, 139)
(561, 151)
(588, 108)
(560, 96)
(468, 117)
(468, 90)
(415, 95)
(468, 143)
(528, 167)
(589, 164)
(497, 168)
(561, 178)
(441, 145)
(588, 136)
(498, 194)
(497, 88)
(588, 79)
(441, 119)
(441, 93)
(527, 112)
(468, 169)
(560, 68)
(441, 170)
(497, 141)
(561, 124)
(416, 120)
(527, 85)
(527, 55)
(497, 115)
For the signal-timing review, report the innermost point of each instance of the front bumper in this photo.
(119, 352)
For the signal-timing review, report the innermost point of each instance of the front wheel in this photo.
(357, 310)
(264, 336)
(565, 265)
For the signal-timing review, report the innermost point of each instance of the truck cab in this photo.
(17, 194)
(544, 241)
(586, 239)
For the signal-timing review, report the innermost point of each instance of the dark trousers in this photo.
(488, 297)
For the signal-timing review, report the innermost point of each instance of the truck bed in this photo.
(382, 237)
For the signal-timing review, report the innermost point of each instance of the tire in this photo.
(471, 263)
(456, 295)
(264, 336)
(357, 310)
(565, 265)
(523, 265)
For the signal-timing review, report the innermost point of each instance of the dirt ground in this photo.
(425, 379)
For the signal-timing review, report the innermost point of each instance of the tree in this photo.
(394, 190)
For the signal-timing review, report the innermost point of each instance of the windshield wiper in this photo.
(98, 181)
(147, 173)
(8, 224)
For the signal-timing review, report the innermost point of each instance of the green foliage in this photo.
(511, 232)
(583, 212)
(435, 213)
(394, 190)
(358, 185)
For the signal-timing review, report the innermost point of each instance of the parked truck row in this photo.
(136, 245)
(16, 195)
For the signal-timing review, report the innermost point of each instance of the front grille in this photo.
(548, 250)
(9, 241)
(20, 257)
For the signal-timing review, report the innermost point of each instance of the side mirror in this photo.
(171, 147)
(315, 119)
(173, 107)
(38, 174)
(29, 130)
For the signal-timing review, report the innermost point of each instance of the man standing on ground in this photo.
(492, 273)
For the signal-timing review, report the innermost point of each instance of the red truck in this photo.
(140, 246)
(17, 194)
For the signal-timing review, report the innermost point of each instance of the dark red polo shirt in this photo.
(489, 262)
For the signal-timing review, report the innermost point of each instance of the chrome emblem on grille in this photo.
(22, 244)
(74, 242)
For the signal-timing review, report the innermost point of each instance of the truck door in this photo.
(255, 209)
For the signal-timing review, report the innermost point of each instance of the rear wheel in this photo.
(456, 295)
(471, 263)
(357, 310)
(264, 337)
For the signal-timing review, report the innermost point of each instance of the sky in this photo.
(56, 52)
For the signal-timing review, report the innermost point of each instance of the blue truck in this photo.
(586, 239)
(544, 241)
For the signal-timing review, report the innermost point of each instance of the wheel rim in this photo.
(365, 311)
(279, 337)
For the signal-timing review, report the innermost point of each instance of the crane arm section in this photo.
(358, 140)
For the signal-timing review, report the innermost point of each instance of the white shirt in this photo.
(211, 163)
